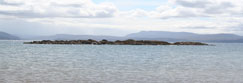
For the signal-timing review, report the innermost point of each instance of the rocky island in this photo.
(117, 42)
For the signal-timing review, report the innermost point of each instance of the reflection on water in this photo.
(20, 63)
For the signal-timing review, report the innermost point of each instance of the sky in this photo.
(120, 17)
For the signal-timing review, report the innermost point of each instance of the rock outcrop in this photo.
(118, 42)
(189, 43)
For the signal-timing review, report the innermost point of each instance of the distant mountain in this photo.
(160, 34)
(185, 36)
(152, 35)
(75, 37)
(6, 36)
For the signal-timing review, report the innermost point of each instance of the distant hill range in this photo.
(6, 36)
(186, 36)
(75, 37)
(153, 35)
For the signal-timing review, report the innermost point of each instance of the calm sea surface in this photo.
(21, 63)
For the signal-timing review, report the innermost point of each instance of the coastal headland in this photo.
(117, 42)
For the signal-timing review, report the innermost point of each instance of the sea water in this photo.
(26, 63)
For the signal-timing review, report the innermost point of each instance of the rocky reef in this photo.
(189, 43)
(118, 42)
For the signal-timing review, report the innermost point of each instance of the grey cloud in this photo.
(184, 14)
(202, 8)
(2, 2)
(217, 9)
(198, 27)
(77, 5)
(73, 10)
(24, 14)
(194, 4)
(181, 16)
(187, 14)
(238, 27)
(28, 14)
(208, 7)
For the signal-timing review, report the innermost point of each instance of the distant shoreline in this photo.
(117, 42)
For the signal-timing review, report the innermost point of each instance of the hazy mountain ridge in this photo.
(7, 36)
(147, 35)
(185, 36)
(75, 37)
(160, 34)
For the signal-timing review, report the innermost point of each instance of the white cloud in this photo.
(57, 8)
(200, 8)
(136, 13)
(201, 16)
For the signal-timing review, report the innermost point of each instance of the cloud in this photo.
(137, 13)
(178, 12)
(193, 3)
(56, 8)
(88, 9)
(199, 8)
(79, 16)
(197, 27)
(221, 8)
(238, 27)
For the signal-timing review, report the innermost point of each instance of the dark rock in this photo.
(118, 42)
(189, 43)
